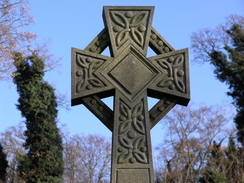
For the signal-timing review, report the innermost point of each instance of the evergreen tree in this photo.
(223, 47)
(37, 103)
(234, 162)
(224, 165)
(229, 68)
(3, 165)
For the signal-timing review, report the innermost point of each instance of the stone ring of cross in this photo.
(130, 77)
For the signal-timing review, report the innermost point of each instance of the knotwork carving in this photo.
(129, 25)
(87, 80)
(131, 134)
(173, 78)
(130, 77)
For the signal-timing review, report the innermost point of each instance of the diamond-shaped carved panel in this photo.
(131, 73)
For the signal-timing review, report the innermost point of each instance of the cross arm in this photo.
(86, 81)
(173, 79)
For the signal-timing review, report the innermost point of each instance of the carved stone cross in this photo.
(130, 77)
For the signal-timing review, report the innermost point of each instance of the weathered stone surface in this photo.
(133, 176)
(130, 77)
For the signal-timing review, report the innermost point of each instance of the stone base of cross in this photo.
(130, 77)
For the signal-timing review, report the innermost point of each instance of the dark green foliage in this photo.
(37, 103)
(212, 176)
(234, 162)
(229, 68)
(3, 164)
(224, 165)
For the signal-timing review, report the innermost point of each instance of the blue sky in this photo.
(75, 23)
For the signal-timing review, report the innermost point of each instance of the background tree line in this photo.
(86, 157)
(200, 145)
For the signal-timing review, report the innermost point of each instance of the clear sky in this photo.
(75, 23)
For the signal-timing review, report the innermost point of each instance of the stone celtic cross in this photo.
(130, 77)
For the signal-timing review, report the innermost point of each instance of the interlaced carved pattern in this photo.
(173, 73)
(131, 134)
(129, 25)
(87, 79)
(130, 77)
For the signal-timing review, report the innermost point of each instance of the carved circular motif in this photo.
(141, 117)
(167, 102)
(172, 87)
(131, 134)
(104, 36)
(120, 149)
(142, 28)
(170, 59)
(88, 59)
(129, 14)
(92, 49)
(97, 43)
(153, 115)
(79, 73)
(122, 118)
(153, 36)
(166, 49)
(100, 108)
(116, 28)
(132, 160)
(93, 102)
(143, 149)
(160, 43)
(161, 108)
(89, 87)
(180, 73)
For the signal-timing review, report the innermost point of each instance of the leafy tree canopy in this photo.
(223, 47)
(37, 103)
